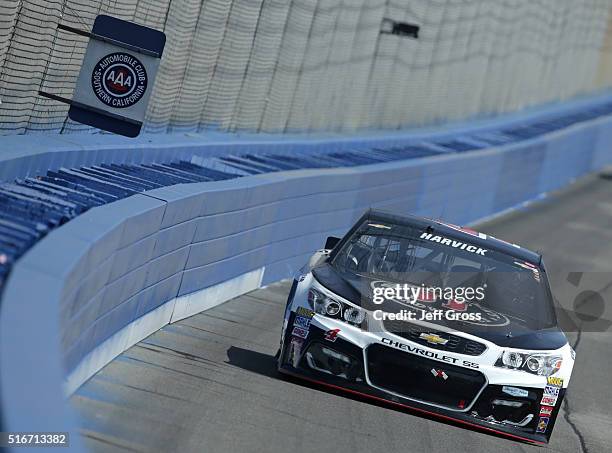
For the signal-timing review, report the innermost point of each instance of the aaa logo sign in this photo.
(119, 80)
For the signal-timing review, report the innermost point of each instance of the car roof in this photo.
(447, 229)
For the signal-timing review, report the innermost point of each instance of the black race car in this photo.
(434, 317)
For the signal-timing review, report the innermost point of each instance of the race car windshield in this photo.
(500, 283)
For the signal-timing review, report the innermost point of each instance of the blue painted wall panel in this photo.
(124, 287)
(133, 256)
(113, 321)
(158, 294)
(167, 265)
(519, 176)
(174, 237)
(143, 216)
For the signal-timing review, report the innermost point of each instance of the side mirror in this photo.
(331, 242)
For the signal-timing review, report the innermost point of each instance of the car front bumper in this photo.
(361, 363)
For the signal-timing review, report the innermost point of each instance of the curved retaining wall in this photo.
(117, 273)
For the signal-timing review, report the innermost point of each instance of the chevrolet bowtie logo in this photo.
(433, 338)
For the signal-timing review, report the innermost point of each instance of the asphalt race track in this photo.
(208, 383)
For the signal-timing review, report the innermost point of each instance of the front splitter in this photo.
(364, 391)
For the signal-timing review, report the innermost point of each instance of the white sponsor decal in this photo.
(514, 391)
(455, 244)
(551, 391)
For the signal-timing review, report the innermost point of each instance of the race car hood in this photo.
(495, 327)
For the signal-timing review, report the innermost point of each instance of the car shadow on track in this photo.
(265, 365)
(253, 361)
(606, 175)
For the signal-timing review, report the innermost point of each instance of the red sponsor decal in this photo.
(469, 231)
(462, 229)
(546, 411)
(331, 335)
(455, 305)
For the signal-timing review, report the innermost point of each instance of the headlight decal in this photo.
(331, 307)
(541, 364)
